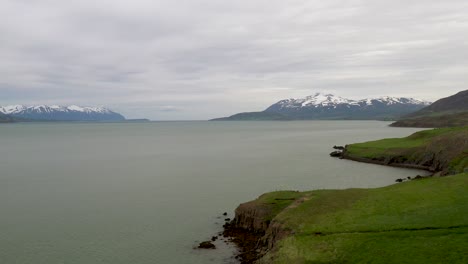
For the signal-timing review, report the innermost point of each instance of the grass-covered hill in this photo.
(443, 150)
(418, 221)
(446, 112)
(421, 221)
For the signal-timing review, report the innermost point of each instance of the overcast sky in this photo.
(199, 59)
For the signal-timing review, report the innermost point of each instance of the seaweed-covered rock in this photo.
(206, 245)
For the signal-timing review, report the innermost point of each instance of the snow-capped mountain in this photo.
(329, 100)
(329, 106)
(61, 113)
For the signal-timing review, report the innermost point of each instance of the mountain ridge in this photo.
(446, 112)
(332, 107)
(60, 113)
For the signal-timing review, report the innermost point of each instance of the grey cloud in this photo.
(208, 58)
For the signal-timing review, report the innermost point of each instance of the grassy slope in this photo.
(447, 112)
(449, 144)
(423, 221)
(442, 119)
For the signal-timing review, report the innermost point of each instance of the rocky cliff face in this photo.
(254, 228)
(252, 217)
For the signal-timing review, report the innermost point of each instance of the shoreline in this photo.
(392, 164)
(253, 242)
(255, 230)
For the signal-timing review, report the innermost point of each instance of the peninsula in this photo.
(425, 218)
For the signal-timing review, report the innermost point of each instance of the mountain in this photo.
(331, 107)
(60, 113)
(446, 112)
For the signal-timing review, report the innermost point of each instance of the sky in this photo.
(201, 59)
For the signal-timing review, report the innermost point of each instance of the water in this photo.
(144, 193)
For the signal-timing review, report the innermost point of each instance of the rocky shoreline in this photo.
(255, 230)
(252, 231)
(342, 153)
(255, 234)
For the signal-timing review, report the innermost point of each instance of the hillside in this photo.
(426, 219)
(331, 107)
(443, 150)
(446, 112)
(254, 116)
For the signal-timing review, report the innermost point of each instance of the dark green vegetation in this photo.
(442, 150)
(446, 112)
(421, 221)
(254, 116)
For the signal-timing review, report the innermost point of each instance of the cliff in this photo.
(254, 228)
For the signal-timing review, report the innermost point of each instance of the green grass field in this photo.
(449, 145)
(421, 221)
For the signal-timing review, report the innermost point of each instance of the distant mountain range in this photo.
(446, 112)
(57, 113)
(332, 107)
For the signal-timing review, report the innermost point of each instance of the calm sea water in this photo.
(145, 193)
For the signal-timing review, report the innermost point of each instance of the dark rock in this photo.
(336, 154)
(214, 238)
(418, 177)
(409, 178)
(339, 147)
(227, 219)
(206, 245)
(399, 180)
(225, 213)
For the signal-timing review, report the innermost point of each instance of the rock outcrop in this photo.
(254, 229)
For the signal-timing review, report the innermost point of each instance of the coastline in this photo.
(392, 164)
(260, 225)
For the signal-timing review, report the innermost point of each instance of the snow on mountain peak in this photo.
(395, 100)
(316, 100)
(76, 108)
(323, 100)
(9, 109)
(330, 100)
(16, 109)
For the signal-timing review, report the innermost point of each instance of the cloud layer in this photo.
(198, 59)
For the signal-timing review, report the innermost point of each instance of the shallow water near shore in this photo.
(147, 192)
